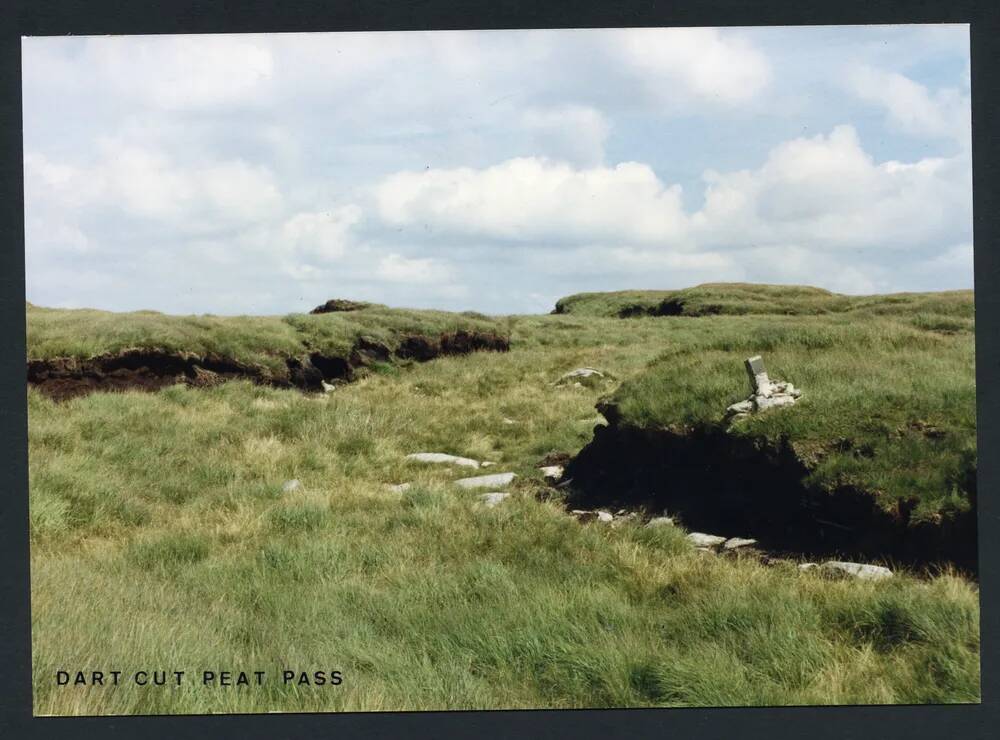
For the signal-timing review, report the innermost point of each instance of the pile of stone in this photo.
(766, 393)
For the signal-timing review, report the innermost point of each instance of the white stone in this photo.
(605, 516)
(441, 457)
(807, 566)
(660, 521)
(741, 407)
(327, 387)
(736, 542)
(486, 464)
(508, 421)
(768, 402)
(497, 480)
(493, 498)
(581, 372)
(291, 485)
(400, 487)
(555, 472)
(858, 570)
(700, 539)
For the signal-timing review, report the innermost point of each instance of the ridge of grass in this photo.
(262, 340)
(760, 299)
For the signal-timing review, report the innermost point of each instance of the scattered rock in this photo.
(552, 473)
(327, 387)
(497, 480)
(605, 516)
(441, 457)
(858, 570)
(508, 421)
(700, 539)
(493, 498)
(486, 464)
(734, 543)
(400, 487)
(807, 566)
(660, 521)
(291, 485)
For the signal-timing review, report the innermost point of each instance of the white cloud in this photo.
(910, 106)
(398, 269)
(318, 237)
(711, 64)
(536, 200)
(146, 184)
(826, 191)
(574, 133)
(176, 72)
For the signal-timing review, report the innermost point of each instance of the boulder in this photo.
(496, 480)
(700, 539)
(442, 458)
(734, 543)
(857, 570)
(605, 516)
(493, 498)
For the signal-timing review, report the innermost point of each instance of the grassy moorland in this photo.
(162, 540)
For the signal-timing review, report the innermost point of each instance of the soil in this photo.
(720, 484)
(151, 369)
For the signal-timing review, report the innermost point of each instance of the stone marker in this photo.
(291, 485)
(765, 393)
(493, 498)
(497, 480)
(759, 381)
(441, 457)
(858, 570)
(736, 542)
(700, 539)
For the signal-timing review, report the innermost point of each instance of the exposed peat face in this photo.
(715, 482)
(152, 369)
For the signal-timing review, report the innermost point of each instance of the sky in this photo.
(492, 170)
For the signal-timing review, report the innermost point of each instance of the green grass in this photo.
(751, 298)
(263, 340)
(161, 538)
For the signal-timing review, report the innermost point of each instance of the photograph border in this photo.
(100, 17)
